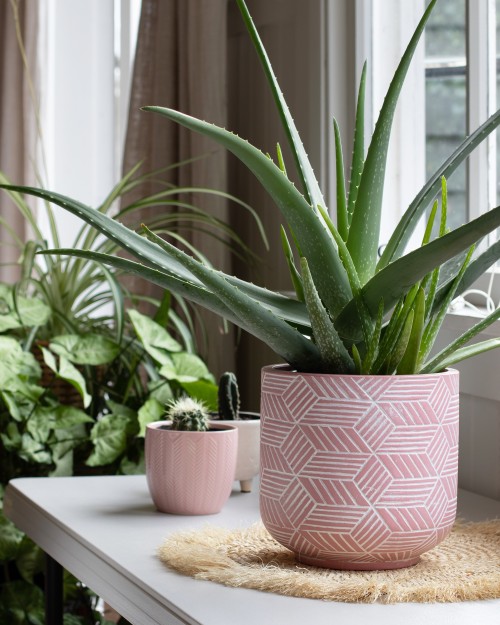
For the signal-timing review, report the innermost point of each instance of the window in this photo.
(458, 63)
(87, 48)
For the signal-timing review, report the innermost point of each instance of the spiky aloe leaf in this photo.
(398, 277)
(401, 344)
(364, 233)
(175, 274)
(334, 355)
(374, 342)
(342, 218)
(408, 362)
(433, 327)
(358, 150)
(294, 273)
(436, 364)
(313, 238)
(283, 339)
(403, 231)
(304, 168)
(466, 352)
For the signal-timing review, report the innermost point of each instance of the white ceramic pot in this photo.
(190, 472)
(248, 460)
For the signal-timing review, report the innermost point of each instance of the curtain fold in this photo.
(18, 70)
(180, 63)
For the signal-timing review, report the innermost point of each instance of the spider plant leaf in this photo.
(395, 279)
(313, 238)
(334, 355)
(408, 362)
(116, 292)
(364, 233)
(406, 226)
(358, 150)
(342, 219)
(294, 273)
(436, 363)
(310, 185)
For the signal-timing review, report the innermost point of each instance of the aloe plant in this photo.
(352, 312)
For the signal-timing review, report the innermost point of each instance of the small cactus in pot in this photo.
(228, 397)
(188, 414)
(248, 424)
(190, 461)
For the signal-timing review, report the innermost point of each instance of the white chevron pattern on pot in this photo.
(358, 471)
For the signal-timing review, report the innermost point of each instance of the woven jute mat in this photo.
(466, 566)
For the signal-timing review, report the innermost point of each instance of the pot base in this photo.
(345, 565)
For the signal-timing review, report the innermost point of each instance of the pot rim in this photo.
(286, 370)
(217, 427)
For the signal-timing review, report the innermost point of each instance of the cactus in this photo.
(228, 397)
(188, 414)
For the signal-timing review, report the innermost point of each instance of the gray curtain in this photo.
(180, 63)
(18, 40)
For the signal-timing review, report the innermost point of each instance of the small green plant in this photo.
(228, 397)
(188, 414)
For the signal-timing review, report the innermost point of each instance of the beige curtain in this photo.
(181, 63)
(18, 30)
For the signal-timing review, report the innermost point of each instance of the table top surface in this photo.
(106, 531)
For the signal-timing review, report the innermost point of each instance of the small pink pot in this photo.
(358, 472)
(190, 472)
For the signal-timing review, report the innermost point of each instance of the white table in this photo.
(105, 531)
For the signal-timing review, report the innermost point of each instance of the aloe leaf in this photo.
(466, 352)
(436, 363)
(374, 342)
(435, 324)
(358, 150)
(334, 355)
(283, 339)
(281, 162)
(352, 274)
(395, 279)
(289, 309)
(408, 363)
(391, 333)
(476, 268)
(358, 365)
(294, 273)
(314, 240)
(304, 168)
(364, 233)
(342, 219)
(401, 344)
(408, 222)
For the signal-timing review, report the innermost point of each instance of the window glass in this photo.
(446, 98)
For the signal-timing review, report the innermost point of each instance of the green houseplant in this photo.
(355, 321)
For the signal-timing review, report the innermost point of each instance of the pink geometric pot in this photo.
(190, 472)
(358, 472)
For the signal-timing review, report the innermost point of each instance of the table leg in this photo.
(53, 591)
